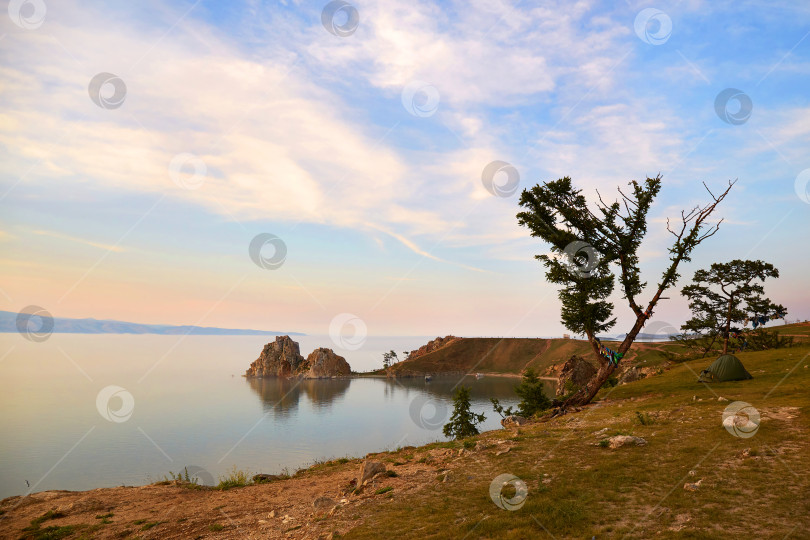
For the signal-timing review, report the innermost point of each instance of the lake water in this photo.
(183, 402)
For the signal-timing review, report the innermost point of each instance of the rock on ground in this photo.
(623, 440)
(578, 371)
(513, 420)
(370, 469)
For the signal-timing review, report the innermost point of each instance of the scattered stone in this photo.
(370, 469)
(482, 445)
(504, 451)
(600, 432)
(272, 514)
(632, 374)
(322, 503)
(618, 441)
(692, 473)
(513, 420)
(692, 487)
(721, 398)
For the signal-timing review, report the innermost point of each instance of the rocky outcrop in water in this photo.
(325, 363)
(282, 358)
(279, 358)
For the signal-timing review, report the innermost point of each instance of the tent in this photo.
(726, 368)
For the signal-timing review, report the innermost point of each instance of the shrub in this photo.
(532, 394)
(235, 478)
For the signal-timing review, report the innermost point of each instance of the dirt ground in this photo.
(315, 503)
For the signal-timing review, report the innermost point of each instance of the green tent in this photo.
(726, 368)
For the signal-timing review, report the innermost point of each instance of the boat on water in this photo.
(428, 378)
(479, 375)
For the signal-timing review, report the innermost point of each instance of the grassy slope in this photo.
(512, 355)
(638, 492)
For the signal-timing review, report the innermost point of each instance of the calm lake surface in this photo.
(190, 406)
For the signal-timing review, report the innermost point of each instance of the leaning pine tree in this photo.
(590, 250)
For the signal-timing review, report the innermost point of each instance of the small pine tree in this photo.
(532, 394)
(463, 421)
(533, 397)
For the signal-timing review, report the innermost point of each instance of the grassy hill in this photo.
(513, 355)
(749, 487)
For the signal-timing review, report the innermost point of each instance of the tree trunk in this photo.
(728, 324)
(606, 368)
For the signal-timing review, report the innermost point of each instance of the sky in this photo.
(145, 145)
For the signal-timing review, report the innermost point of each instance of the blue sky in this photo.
(304, 134)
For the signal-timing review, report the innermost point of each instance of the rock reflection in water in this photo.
(282, 395)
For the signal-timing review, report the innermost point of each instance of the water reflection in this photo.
(282, 396)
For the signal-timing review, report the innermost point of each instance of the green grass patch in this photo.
(235, 478)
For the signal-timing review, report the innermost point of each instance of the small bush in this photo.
(215, 527)
(644, 419)
(235, 478)
(469, 444)
(384, 490)
(604, 443)
(391, 474)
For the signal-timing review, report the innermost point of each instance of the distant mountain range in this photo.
(8, 323)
